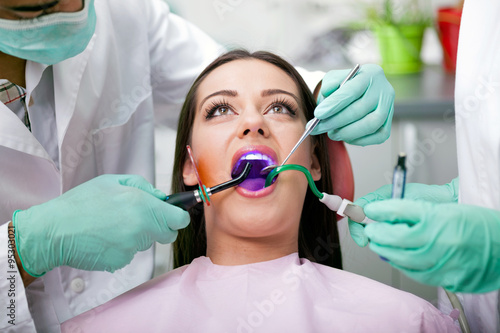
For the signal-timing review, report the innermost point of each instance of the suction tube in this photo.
(343, 207)
(286, 167)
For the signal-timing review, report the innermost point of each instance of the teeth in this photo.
(257, 157)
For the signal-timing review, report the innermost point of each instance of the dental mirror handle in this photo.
(315, 121)
(308, 131)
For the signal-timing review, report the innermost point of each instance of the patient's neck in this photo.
(232, 251)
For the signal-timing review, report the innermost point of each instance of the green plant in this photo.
(400, 12)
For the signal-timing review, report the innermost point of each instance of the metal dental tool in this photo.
(312, 125)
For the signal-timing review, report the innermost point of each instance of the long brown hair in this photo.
(318, 234)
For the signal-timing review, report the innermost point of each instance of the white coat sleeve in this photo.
(15, 315)
(179, 51)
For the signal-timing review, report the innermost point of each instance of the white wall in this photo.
(282, 26)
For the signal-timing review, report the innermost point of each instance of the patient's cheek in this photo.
(209, 175)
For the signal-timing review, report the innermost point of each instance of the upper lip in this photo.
(265, 150)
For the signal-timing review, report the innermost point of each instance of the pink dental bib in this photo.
(289, 294)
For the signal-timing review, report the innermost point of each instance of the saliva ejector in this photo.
(343, 207)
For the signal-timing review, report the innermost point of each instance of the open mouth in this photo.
(256, 180)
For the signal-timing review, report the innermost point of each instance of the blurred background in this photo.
(320, 35)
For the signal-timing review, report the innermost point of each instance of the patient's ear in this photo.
(317, 90)
(189, 174)
(315, 166)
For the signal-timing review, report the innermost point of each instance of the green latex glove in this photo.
(432, 193)
(98, 225)
(360, 112)
(450, 245)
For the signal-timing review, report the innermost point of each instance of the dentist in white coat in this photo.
(81, 84)
(89, 115)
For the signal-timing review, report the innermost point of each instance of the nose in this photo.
(253, 123)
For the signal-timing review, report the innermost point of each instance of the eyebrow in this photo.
(264, 93)
(270, 92)
(36, 8)
(224, 92)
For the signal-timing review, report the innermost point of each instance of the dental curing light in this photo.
(186, 200)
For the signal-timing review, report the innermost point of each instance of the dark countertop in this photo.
(426, 94)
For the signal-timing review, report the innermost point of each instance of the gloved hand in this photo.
(450, 245)
(446, 193)
(360, 112)
(98, 225)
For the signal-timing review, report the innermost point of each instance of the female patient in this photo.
(259, 258)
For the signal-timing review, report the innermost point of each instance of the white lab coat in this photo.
(477, 109)
(140, 59)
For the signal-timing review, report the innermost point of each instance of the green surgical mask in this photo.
(50, 38)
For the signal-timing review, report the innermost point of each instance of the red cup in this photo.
(448, 20)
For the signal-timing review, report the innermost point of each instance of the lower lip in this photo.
(255, 194)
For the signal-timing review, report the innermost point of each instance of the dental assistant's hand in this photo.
(451, 245)
(360, 112)
(446, 193)
(98, 225)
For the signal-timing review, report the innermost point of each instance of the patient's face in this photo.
(248, 110)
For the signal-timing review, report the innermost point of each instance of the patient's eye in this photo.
(282, 106)
(219, 108)
(278, 109)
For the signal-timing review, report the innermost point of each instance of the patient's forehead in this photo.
(247, 75)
